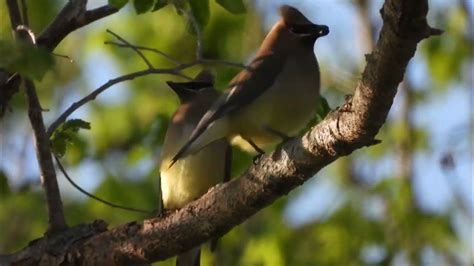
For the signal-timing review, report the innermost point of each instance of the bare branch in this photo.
(133, 47)
(56, 221)
(76, 186)
(62, 118)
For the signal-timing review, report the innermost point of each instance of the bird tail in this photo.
(201, 139)
(189, 258)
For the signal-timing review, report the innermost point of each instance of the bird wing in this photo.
(249, 84)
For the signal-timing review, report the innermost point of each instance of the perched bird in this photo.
(193, 176)
(275, 97)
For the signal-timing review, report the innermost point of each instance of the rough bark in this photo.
(346, 129)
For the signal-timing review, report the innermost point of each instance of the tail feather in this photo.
(200, 138)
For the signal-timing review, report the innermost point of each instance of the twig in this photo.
(150, 66)
(56, 220)
(64, 56)
(143, 48)
(62, 118)
(195, 25)
(113, 205)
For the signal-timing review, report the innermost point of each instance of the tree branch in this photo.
(56, 221)
(72, 17)
(275, 175)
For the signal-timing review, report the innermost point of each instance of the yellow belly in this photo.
(286, 107)
(193, 176)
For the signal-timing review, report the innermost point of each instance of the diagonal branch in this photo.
(275, 175)
(72, 17)
(62, 118)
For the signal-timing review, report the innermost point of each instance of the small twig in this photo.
(195, 25)
(76, 186)
(62, 118)
(143, 48)
(150, 66)
(63, 56)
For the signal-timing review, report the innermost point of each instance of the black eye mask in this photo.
(310, 29)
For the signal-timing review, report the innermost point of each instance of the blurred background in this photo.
(406, 201)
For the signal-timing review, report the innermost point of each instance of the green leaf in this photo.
(142, 6)
(159, 5)
(118, 3)
(76, 124)
(26, 59)
(58, 143)
(233, 6)
(66, 135)
(200, 10)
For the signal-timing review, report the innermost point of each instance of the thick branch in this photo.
(72, 17)
(225, 206)
(56, 221)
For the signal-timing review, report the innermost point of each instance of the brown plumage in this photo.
(276, 97)
(193, 176)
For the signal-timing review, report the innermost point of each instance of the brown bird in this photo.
(194, 175)
(275, 97)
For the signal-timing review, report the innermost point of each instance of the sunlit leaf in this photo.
(142, 6)
(233, 6)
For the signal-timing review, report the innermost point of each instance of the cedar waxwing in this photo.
(275, 97)
(194, 175)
